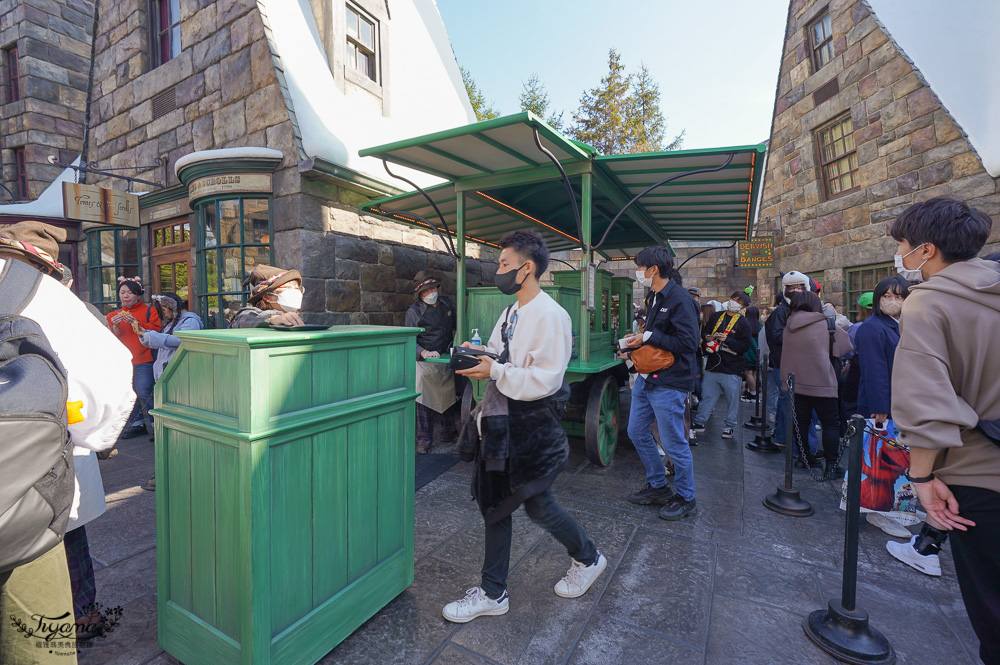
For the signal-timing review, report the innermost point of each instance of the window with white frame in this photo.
(361, 42)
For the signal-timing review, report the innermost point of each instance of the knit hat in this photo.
(424, 280)
(35, 241)
(866, 300)
(266, 279)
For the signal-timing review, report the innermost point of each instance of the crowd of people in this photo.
(918, 363)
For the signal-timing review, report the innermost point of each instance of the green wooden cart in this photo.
(516, 173)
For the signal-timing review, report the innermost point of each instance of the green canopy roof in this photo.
(510, 184)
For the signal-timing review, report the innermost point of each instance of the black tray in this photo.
(307, 326)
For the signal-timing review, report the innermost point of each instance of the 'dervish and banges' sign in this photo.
(90, 203)
(757, 253)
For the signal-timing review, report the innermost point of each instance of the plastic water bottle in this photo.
(476, 339)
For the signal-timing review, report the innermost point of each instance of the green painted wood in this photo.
(285, 510)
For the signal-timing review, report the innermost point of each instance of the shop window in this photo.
(13, 74)
(171, 256)
(20, 174)
(111, 253)
(362, 39)
(861, 280)
(234, 235)
(164, 31)
(821, 40)
(839, 157)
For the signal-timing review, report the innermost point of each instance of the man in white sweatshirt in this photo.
(534, 341)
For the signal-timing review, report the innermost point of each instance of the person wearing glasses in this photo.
(275, 299)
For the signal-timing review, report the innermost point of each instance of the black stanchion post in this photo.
(762, 441)
(842, 630)
(786, 500)
(756, 422)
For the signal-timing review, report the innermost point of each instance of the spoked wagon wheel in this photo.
(468, 402)
(601, 421)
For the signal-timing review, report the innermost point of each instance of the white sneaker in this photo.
(660, 450)
(579, 578)
(890, 526)
(475, 604)
(928, 564)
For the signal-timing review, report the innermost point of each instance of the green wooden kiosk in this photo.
(517, 172)
(284, 503)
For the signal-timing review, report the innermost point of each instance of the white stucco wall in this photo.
(426, 91)
(955, 47)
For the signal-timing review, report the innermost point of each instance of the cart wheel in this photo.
(468, 402)
(601, 424)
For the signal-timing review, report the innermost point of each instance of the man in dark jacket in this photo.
(671, 325)
(726, 338)
(774, 328)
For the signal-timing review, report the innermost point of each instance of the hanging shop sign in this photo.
(90, 203)
(232, 183)
(757, 253)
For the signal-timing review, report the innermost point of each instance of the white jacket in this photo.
(99, 378)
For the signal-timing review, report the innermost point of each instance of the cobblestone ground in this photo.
(730, 585)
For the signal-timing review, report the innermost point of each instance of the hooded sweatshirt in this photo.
(806, 353)
(946, 369)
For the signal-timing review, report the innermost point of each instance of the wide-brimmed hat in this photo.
(424, 280)
(266, 279)
(35, 241)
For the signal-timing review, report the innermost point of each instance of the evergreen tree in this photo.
(603, 117)
(648, 123)
(482, 110)
(535, 98)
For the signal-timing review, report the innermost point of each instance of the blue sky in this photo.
(716, 61)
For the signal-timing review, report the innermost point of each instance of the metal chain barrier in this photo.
(802, 443)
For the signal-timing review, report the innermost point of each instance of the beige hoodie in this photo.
(946, 373)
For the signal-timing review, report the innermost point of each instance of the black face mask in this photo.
(507, 281)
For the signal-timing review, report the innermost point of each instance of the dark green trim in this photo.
(686, 183)
(316, 168)
(227, 166)
(669, 169)
(759, 148)
(167, 195)
(502, 148)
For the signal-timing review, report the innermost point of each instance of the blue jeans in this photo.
(666, 406)
(142, 384)
(546, 513)
(776, 397)
(713, 386)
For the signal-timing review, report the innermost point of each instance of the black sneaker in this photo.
(651, 495)
(833, 472)
(678, 508)
(697, 429)
(727, 433)
(132, 432)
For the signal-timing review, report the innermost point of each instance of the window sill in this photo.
(360, 80)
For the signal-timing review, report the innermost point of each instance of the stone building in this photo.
(44, 68)
(249, 115)
(876, 108)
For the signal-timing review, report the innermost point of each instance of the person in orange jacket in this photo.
(134, 310)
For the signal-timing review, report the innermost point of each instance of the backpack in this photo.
(36, 456)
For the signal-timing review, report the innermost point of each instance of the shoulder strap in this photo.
(832, 327)
(19, 282)
(147, 313)
(505, 356)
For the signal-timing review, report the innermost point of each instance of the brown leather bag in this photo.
(649, 359)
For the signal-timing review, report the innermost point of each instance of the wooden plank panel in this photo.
(231, 595)
(362, 368)
(362, 467)
(176, 390)
(291, 532)
(390, 367)
(330, 379)
(290, 378)
(329, 513)
(203, 529)
(227, 400)
(201, 390)
(391, 483)
(179, 518)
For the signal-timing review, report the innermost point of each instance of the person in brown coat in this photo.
(809, 353)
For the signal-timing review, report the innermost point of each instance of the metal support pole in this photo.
(461, 334)
(786, 500)
(762, 443)
(586, 194)
(842, 630)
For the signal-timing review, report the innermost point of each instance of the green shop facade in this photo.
(197, 239)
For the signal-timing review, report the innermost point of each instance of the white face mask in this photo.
(290, 300)
(640, 276)
(891, 308)
(733, 307)
(430, 298)
(912, 275)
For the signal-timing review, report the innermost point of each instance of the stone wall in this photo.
(53, 44)
(909, 149)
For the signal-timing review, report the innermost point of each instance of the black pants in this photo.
(546, 513)
(828, 411)
(977, 562)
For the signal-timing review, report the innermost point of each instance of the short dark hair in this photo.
(753, 316)
(530, 246)
(658, 256)
(806, 301)
(891, 284)
(742, 297)
(958, 231)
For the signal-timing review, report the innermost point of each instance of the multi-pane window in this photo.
(20, 174)
(111, 253)
(838, 156)
(862, 280)
(13, 74)
(174, 234)
(234, 236)
(361, 38)
(821, 38)
(164, 31)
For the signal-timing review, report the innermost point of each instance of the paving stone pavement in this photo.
(730, 585)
